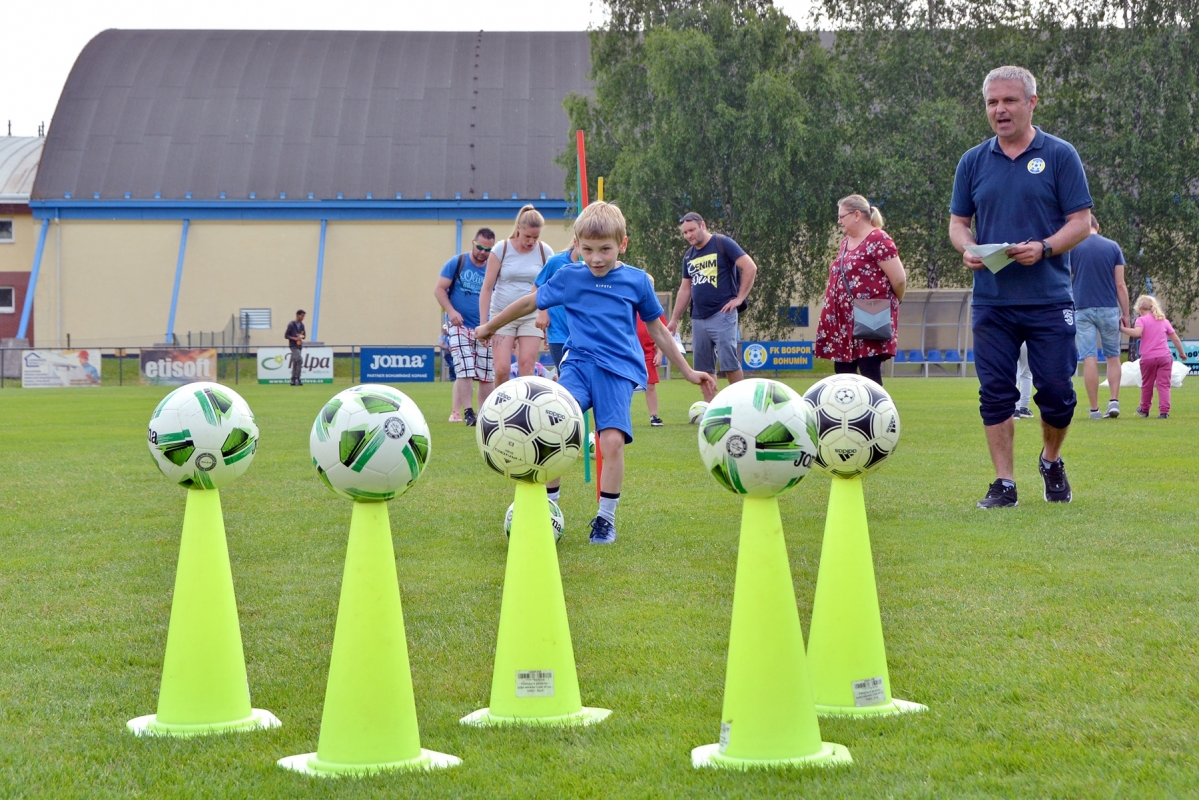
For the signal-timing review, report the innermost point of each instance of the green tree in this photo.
(727, 109)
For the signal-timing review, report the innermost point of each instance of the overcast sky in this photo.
(41, 41)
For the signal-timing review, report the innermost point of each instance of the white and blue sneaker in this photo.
(602, 531)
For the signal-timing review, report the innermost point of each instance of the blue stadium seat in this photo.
(915, 356)
(969, 356)
(953, 357)
(901, 357)
(935, 357)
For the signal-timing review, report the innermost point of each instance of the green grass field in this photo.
(1055, 646)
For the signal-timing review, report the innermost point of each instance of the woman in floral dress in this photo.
(868, 262)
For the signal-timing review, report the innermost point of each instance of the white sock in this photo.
(554, 494)
(607, 509)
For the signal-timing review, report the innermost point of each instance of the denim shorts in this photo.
(1098, 324)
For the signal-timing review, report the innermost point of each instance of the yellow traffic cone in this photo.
(847, 660)
(769, 719)
(534, 680)
(369, 721)
(204, 686)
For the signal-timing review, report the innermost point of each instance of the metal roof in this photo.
(19, 156)
(268, 115)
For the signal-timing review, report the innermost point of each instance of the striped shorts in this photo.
(472, 358)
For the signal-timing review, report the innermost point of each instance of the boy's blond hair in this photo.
(1147, 304)
(600, 220)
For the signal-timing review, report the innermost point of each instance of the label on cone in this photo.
(534, 683)
(868, 692)
(725, 729)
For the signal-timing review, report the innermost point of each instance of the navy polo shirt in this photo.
(1015, 200)
(1094, 261)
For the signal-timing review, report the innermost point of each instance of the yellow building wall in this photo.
(110, 283)
(17, 255)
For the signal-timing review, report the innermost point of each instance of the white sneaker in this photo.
(1113, 409)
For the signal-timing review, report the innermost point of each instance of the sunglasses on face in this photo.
(481, 247)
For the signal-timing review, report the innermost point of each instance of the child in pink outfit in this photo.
(1153, 329)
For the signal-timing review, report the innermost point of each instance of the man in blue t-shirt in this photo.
(717, 277)
(604, 361)
(553, 320)
(457, 291)
(1027, 189)
(1100, 308)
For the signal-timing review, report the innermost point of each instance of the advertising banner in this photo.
(274, 365)
(45, 369)
(172, 367)
(397, 364)
(776, 355)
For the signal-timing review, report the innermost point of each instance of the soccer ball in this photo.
(203, 436)
(857, 425)
(591, 445)
(369, 443)
(756, 438)
(530, 429)
(696, 412)
(556, 520)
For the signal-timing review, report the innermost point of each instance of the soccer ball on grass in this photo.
(203, 436)
(696, 412)
(369, 443)
(756, 438)
(857, 425)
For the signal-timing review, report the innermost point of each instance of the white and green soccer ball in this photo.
(756, 438)
(369, 443)
(530, 429)
(696, 412)
(203, 436)
(556, 520)
(856, 424)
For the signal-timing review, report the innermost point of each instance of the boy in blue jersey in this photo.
(603, 361)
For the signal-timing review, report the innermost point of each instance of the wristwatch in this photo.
(1047, 250)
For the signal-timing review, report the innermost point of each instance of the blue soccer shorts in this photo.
(1052, 356)
(609, 395)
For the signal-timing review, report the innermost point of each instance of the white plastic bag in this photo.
(1130, 374)
(1178, 371)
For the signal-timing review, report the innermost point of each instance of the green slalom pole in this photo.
(204, 687)
(369, 720)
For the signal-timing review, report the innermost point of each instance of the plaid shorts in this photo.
(472, 358)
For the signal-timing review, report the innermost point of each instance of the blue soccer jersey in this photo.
(600, 314)
(558, 330)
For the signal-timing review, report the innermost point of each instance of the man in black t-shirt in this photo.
(717, 277)
(295, 339)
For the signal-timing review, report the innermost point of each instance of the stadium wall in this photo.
(110, 282)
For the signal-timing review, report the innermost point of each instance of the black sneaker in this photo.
(1141, 413)
(1057, 485)
(468, 416)
(999, 496)
(656, 421)
(602, 531)
(1163, 416)
(1023, 413)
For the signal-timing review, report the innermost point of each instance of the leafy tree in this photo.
(724, 108)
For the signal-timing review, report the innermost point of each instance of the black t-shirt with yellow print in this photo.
(711, 269)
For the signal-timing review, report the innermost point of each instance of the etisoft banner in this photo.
(776, 355)
(397, 364)
(177, 367)
(274, 365)
(47, 369)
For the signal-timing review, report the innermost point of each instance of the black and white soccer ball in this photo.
(857, 425)
(530, 429)
(557, 521)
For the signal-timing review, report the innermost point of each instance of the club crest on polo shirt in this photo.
(1036, 166)
(1068, 313)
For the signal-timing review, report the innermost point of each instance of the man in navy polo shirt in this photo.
(1101, 306)
(1027, 188)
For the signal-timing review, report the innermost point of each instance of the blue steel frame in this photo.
(178, 280)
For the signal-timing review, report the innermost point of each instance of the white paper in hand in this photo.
(994, 256)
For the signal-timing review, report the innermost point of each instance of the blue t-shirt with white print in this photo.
(601, 315)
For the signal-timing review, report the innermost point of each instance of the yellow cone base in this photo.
(830, 755)
(309, 764)
(896, 706)
(483, 718)
(259, 719)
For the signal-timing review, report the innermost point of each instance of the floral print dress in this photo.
(834, 336)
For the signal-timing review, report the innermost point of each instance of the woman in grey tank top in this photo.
(511, 270)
